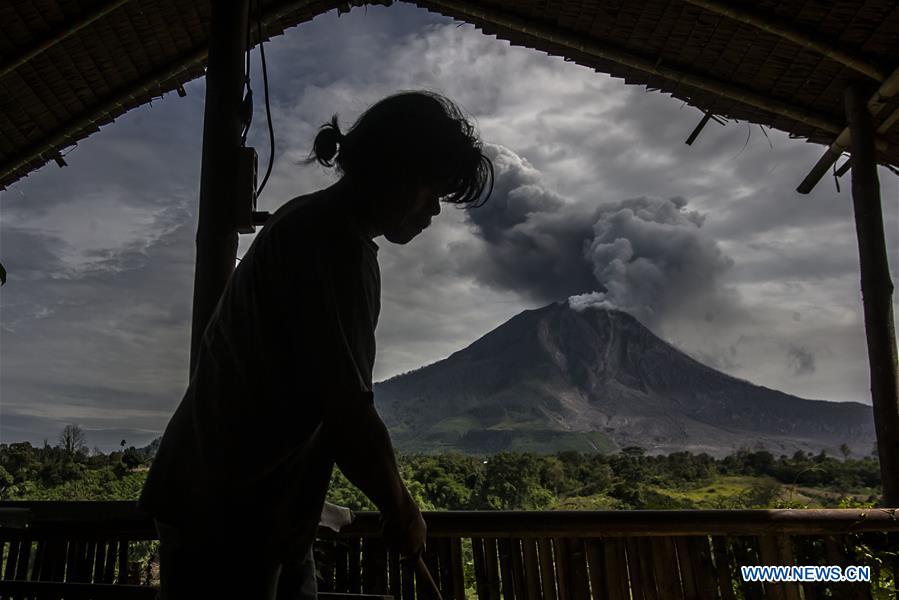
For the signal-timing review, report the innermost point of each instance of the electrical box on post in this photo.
(247, 169)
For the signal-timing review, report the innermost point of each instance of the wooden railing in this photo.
(81, 549)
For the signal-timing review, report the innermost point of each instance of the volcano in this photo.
(597, 380)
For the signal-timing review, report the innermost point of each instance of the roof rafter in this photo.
(67, 135)
(55, 38)
(586, 45)
(769, 24)
(876, 103)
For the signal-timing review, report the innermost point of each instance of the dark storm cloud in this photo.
(801, 361)
(30, 253)
(37, 429)
(101, 253)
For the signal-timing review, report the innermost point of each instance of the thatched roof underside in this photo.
(57, 87)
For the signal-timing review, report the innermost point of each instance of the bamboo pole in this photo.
(217, 231)
(587, 45)
(877, 290)
(783, 30)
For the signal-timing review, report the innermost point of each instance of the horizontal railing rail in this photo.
(541, 555)
(124, 516)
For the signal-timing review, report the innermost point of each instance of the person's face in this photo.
(415, 209)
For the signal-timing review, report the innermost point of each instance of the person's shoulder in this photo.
(303, 212)
(311, 222)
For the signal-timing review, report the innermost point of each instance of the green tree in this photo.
(131, 458)
(845, 451)
(512, 482)
(73, 440)
(6, 482)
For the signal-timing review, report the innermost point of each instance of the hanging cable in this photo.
(246, 105)
(268, 110)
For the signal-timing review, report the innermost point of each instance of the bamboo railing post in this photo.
(99, 561)
(595, 569)
(480, 569)
(563, 567)
(505, 568)
(531, 568)
(769, 556)
(616, 567)
(547, 572)
(685, 566)
(9, 571)
(394, 573)
(580, 583)
(723, 568)
(90, 557)
(518, 576)
(407, 573)
(746, 551)
(664, 558)
(109, 573)
(456, 569)
(877, 290)
(374, 566)
(341, 562)
(354, 571)
(651, 585)
(490, 561)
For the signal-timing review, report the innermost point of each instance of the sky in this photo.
(597, 199)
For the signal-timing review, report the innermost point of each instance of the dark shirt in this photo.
(242, 455)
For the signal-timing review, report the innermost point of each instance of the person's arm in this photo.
(364, 453)
(352, 428)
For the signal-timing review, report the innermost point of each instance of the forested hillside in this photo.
(628, 479)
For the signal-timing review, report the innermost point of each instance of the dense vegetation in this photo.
(505, 481)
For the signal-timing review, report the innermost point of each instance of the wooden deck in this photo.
(81, 550)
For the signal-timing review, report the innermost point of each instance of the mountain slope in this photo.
(554, 378)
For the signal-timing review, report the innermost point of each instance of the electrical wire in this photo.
(246, 105)
(268, 109)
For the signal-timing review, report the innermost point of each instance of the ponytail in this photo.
(324, 147)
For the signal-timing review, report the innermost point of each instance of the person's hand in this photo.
(404, 527)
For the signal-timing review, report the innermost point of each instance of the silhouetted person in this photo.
(281, 390)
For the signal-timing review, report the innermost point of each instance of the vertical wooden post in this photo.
(216, 232)
(877, 290)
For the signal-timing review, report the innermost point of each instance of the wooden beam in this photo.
(222, 125)
(696, 130)
(549, 33)
(877, 290)
(875, 104)
(790, 33)
(51, 40)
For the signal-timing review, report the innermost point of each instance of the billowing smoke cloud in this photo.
(534, 238)
(800, 360)
(653, 259)
(647, 256)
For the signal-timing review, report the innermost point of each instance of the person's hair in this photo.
(414, 137)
